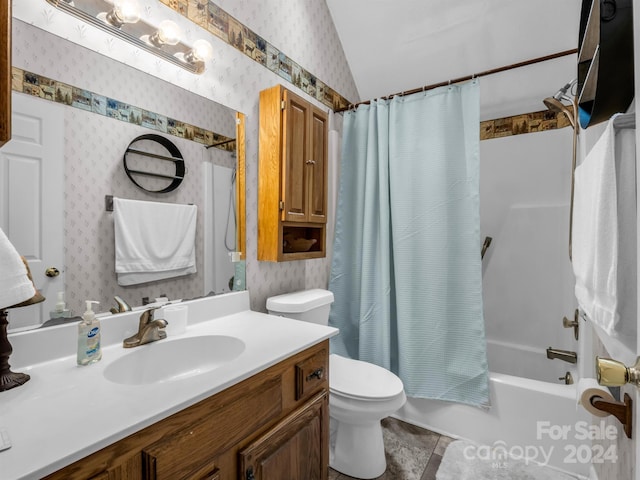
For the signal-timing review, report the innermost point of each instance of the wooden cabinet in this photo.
(292, 177)
(289, 451)
(5, 72)
(262, 426)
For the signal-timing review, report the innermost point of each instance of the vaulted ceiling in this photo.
(394, 46)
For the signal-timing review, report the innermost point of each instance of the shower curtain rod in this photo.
(468, 77)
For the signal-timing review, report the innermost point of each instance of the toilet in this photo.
(360, 393)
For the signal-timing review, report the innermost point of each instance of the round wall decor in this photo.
(140, 161)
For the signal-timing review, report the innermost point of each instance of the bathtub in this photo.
(526, 414)
(526, 362)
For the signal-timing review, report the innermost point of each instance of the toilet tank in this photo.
(306, 305)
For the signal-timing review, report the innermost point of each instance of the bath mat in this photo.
(461, 462)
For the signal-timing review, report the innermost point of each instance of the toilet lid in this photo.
(355, 378)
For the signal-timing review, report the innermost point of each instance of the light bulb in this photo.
(168, 33)
(201, 51)
(124, 11)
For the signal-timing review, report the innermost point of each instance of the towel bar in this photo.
(219, 144)
(108, 203)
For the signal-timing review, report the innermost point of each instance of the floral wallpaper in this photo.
(303, 29)
(94, 146)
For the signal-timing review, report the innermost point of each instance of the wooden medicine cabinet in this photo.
(292, 177)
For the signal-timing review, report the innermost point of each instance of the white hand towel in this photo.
(15, 286)
(153, 240)
(604, 206)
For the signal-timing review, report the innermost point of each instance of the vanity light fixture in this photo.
(121, 18)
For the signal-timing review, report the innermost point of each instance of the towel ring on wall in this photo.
(174, 156)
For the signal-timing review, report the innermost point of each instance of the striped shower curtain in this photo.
(406, 271)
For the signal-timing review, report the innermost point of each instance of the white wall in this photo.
(524, 204)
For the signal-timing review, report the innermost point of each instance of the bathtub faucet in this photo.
(565, 355)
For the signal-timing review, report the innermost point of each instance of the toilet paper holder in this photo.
(612, 373)
(622, 411)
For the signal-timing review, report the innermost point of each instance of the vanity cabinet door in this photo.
(294, 449)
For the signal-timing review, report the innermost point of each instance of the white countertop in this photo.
(66, 412)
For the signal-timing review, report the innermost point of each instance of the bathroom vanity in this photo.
(257, 412)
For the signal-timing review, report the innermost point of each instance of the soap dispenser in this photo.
(89, 350)
(60, 310)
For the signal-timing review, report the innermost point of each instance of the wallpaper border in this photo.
(23, 81)
(219, 23)
(525, 123)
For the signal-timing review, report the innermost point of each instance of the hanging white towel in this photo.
(604, 244)
(15, 286)
(153, 240)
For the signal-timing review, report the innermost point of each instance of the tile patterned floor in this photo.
(413, 453)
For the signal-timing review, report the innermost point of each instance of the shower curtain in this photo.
(406, 271)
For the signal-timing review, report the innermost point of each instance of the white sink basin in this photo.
(170, 360)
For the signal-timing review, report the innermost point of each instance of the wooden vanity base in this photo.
(266, 428)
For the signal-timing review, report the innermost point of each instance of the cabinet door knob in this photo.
(52, 272)
(311, 162)
(316, 374)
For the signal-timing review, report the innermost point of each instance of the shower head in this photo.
(562, 93)
(555, 104)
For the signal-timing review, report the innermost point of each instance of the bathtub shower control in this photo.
(575, 324)
(567, 379)
(564, 355)
(612, 373)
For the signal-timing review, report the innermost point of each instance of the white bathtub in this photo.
(524, 416)
(526, 362)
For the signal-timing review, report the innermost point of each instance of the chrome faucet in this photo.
(149, 330)
(564, 355)
(122, 306)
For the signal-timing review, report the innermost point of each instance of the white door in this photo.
(32, 198)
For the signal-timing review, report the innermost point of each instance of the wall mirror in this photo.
(99, 122)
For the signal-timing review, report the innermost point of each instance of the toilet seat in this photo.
(361, 380)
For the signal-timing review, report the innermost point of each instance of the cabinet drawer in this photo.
(178, 454)
(311, 374)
